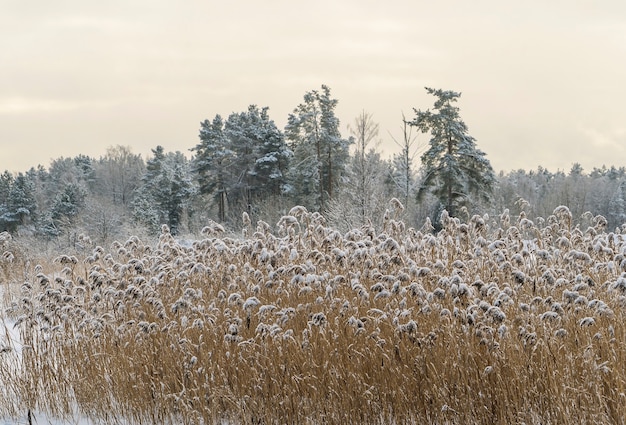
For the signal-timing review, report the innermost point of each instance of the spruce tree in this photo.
(165, 191)
(6, 216)
(21, 202)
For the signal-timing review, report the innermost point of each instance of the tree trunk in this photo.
(449, 178)
(222, 206)
(330, 174)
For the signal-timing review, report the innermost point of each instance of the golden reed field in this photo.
(492, 320)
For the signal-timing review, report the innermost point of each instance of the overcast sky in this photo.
(542, 82)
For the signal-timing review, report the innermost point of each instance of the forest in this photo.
(245, 163)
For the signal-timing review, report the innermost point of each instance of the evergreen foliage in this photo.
(165, 191)
(241, 161)
(68, 203)
(18, 206)
(212, 163)
(261, 157)
(320, 153)
(6, 217)
(21, 202)
(272, 154)
(246, 164)
(455, 170)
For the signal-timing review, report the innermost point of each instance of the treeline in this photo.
(244, 163)
(602, 191)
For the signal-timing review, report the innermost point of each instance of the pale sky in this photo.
(543, 82)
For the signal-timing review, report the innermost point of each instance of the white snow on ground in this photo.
(10, 339)
(9, 336)
(38, 419)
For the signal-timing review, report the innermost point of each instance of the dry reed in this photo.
(488, 321)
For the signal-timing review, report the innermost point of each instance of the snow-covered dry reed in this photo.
(489, 321)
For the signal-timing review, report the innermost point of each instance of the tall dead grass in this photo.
(489, 321)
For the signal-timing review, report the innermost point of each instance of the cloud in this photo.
(29, 105)
(613, 139)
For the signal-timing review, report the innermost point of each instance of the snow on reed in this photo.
(489, 321)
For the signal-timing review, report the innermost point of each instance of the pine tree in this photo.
(212, 162)
(260, 160)
(320, 153)
(240, 132)
(181, 189)
(241, 161)
(455, 170)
